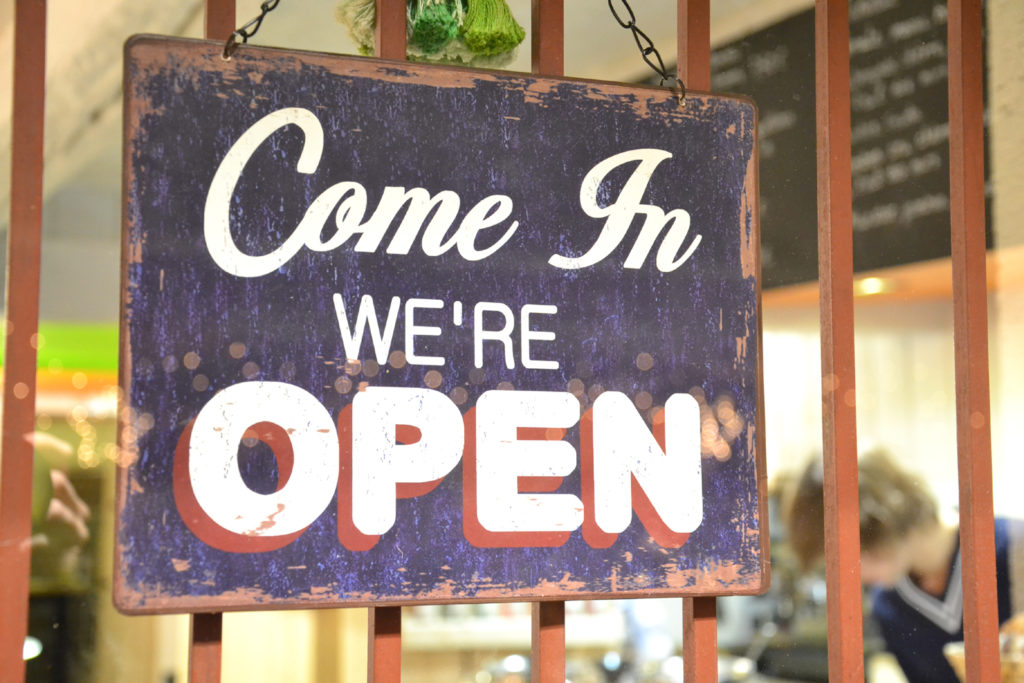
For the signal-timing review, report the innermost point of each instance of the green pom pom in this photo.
(458, 53)
(433, 23)
(480, 33)
(490, 28)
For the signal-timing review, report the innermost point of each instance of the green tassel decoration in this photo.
(433, 23)
(360, 17)
(459, 54)
(490, 29)
(441, 31)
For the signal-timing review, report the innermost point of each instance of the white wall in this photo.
(904, 375)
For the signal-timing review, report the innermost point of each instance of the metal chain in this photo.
(248, 30)
(649, 53)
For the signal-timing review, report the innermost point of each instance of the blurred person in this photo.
(910, 559)
(60, 519)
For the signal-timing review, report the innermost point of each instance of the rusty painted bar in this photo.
(22, 323)
(693, 58)
(970, 339)
(835, 273)
(693, 66)
(205, 638)
(700, 640)
(548, 642)
(547, 38)
(219, 19)
(390, 30)
(206, 630)
(385, 660)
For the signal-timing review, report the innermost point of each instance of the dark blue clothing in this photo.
(916, 625)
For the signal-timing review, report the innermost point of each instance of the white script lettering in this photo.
(430, 218)
(347, 201)
(621, 212)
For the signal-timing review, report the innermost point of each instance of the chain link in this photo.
(648, 52)
(248, 30)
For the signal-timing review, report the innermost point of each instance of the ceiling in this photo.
(81, 253)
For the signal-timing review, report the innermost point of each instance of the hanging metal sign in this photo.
(396, 333)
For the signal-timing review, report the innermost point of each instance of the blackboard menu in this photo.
(900, 134)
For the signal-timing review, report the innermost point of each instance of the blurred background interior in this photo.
(762, 48)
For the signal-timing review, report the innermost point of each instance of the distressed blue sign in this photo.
(396, 333)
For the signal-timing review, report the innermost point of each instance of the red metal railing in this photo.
(846, 658)
(205, 642)
(548, 619)
(24, 241)
(970, 339)
(838, 388)
(693, 59)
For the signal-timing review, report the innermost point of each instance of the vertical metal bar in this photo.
(700, 640)
(693, 66)
(970, 335)
(385, 660)
(835, 273)
(22, 323)
(693, 53)
(390, 31)
(385, 656)
(547, 38)
(548, 642)
(206, 630)
(219, 19)
(205, 637)
(547, 638)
